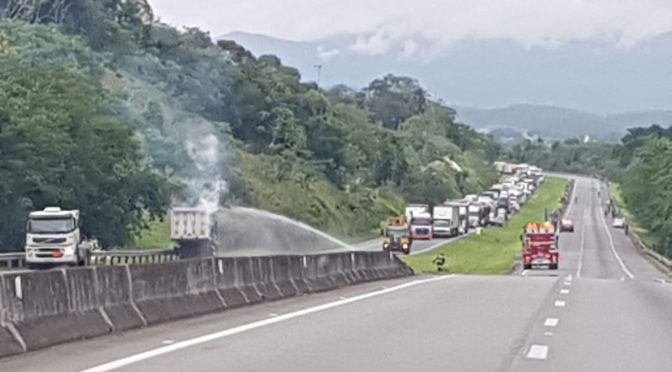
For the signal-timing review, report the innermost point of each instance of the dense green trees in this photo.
(647, 189)
(59, 146)
(341, 159)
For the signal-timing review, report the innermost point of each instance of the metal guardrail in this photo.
(16, 260)
(648, 251)
(12, 260)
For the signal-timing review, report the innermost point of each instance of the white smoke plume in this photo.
(207, 183)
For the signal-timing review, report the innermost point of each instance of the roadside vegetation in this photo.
(104, 109)
(496, 249)
(639, 167)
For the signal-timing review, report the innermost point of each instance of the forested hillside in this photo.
(641, 164)
(105, 110)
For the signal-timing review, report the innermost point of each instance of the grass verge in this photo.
(157, 236)
(495, 250)
(644, 234)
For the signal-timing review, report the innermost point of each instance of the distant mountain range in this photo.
(559, 123)
(587, 76)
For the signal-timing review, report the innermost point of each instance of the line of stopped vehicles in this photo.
(490, 208)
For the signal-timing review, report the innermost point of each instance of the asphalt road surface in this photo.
(418, 246)
(605, 309)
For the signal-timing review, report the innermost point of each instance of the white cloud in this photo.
(326, 54)
(386, 25)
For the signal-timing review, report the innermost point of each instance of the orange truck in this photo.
(540, 245)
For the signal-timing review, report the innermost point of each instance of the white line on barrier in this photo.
(250, 326)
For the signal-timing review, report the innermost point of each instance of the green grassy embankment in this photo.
(495, 250)
(157, 236)
(644, 234)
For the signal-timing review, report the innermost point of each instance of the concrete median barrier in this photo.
(229, 283)
(175, 290)
(113, 289)
(297, 273)
(337, 267)
(262, 271)
(353, 274)
(40, 309)
(281, 276)
(10, 343)
(368, 266)
(46, 308)
(316, 275)
(247, 280)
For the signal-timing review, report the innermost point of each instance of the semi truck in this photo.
(445, 221)
(540, 245)
(421, 226)
(194, 230)
(414, 209)
(463, 213)
(53, 238)
(479, 213)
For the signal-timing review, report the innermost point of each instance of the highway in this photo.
(605, 309)
(419, 246)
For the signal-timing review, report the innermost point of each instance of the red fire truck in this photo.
(540, 246)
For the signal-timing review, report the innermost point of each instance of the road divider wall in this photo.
(41, 309)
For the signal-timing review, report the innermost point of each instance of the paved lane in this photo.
(614, 314)
(419, 246)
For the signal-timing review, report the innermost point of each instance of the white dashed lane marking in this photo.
(539, 352)
(551, 322)
(564, 291)
(559, 303)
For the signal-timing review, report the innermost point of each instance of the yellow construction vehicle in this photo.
(396, 235)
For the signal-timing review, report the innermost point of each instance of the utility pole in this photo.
(319, 72)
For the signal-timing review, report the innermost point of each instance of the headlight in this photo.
(386, 245)
(405, 245)
(70, 250)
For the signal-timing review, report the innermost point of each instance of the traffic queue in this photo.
(492, 207)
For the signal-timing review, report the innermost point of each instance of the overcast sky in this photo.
(437, 23)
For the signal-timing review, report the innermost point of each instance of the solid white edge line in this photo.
(110, 366)
(579, 267)
(537, 352)
(571, 197)
(612, 245)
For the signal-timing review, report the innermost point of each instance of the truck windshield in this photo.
(396, 234)
(422, 222)
(51, 226)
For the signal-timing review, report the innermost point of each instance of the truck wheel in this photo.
(527, 267)
(553, 266)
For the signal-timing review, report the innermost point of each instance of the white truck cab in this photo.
(53, 238)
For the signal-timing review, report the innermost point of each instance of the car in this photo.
(567, 225)
(619, 223)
